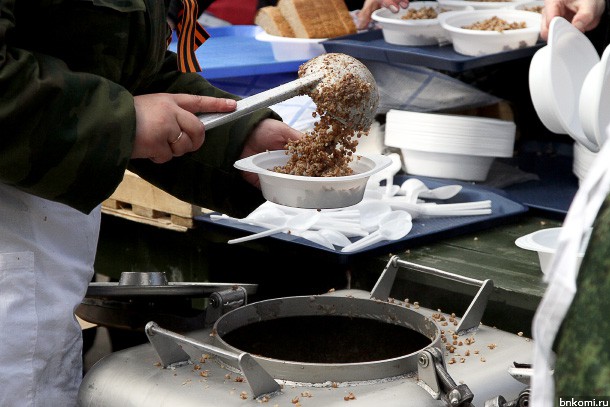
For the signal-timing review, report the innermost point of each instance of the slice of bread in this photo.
(317, 18)
(306, 19)
(273, 22)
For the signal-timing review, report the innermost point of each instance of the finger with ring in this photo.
(177, 138)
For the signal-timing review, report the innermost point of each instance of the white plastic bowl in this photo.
(477, 42)
(556, 77)
(446, 165)
(452, 134)
(594, 103)
(481, 5)
(583, 159)
(530, 6)
(292, 49)
(545, 243)
(312, 192)
(398, 31)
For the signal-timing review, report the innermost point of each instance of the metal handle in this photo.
(167, 345)
(473, 315)
(261, 100)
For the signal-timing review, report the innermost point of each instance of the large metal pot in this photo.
(317, 339)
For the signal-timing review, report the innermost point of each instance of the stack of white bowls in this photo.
(583, 158)
(449, 146)
(570, 85)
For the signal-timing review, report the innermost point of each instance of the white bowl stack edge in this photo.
(449, 146)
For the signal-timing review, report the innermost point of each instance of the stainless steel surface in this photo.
(335, 306)
(473, 315)
(264, 99)
(142, 278)
(111, 289)
(167, 344)
(434, 378)
(134, 377)
(476, 362)
(317, 76)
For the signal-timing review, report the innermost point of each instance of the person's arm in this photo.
(67, 131)
(364, 15)
(42, 150)
(583, 14)
(207, 177)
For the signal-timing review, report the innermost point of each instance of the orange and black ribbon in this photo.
(191, 35)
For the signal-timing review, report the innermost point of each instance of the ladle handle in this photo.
(260, 100)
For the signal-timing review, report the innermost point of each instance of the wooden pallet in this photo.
(138, 200)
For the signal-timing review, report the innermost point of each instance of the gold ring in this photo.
(177, 139)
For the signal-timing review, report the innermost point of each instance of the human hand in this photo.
(583, 14)
(364, 15)
(166, 124)
(269, 135)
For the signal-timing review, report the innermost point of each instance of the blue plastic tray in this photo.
(371, 45)
(233, 51)
(553, 193)
(424, 230)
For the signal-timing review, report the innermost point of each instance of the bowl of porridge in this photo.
(415, 26)
(313, 192)
(483, 32)
(482, 4)
(535, 6)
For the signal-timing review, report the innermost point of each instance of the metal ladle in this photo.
(316, 76)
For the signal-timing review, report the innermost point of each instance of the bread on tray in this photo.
(273, 22)
(308, 18)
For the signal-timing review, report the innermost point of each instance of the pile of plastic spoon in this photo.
(392, 226)
(414, 188)
(383, 215)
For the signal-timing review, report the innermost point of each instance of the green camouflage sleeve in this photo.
(66, 136)
(206, 177)
(67, 117)
(582, 367)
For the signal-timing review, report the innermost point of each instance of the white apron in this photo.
(47, 251)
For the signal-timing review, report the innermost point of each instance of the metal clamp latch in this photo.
(521, 401)
(221, 302)
(434, 378)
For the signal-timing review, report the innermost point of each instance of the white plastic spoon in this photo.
(263, 217)
(411, 189)
(419, 211)
(266, 215)
(393, 226)
(371, 212)
(347, 228)
(318, 238)
(442, 192)
(414, 188)
(299, 223)
(335, 237)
